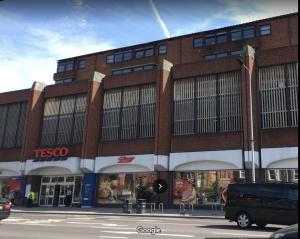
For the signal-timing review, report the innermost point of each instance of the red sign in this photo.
(51, 152)
(125, 159)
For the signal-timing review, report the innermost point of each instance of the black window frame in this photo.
(240, 32)
(200, 40)
(210, 57)
(223, 35)
(81, 64)
(162, 49)
(63, 66)
(261, 32)
(251, 28)
(210, 37)
(221, 54)
(110, 59)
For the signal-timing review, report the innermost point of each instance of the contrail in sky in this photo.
(161, 22)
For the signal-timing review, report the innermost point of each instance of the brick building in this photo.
(175, 109)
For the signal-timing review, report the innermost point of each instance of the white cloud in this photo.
(159, 19)
(251, 10)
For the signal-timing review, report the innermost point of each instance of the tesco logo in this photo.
(51, 152)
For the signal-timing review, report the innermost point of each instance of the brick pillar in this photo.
(33, 121)
(163, 109)
(249, 64)
(92, 127)
(163, 126)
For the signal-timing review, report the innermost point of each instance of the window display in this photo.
(115, 188)
(203, 187)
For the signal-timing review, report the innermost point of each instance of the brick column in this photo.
(33, 124)
(163, 126)
(249, 64)
(163, 109)
(92, 127)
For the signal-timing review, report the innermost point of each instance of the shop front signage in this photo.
(125, 159)
(51, 154)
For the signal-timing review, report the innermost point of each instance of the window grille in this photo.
(12, 123)
(129, 113)
(208, 104)
(278, 87)
(63, 120)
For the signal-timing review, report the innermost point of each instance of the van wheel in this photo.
(243, 220)
(261, 225)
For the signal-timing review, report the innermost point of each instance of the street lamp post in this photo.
(245, 50)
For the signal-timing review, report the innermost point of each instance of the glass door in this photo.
(62, 195)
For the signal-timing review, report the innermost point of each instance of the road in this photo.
(64, 226)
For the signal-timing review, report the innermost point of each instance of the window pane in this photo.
(292, 79)
(210, 57)
(206, 96)
(162, 49)
(138, 68)
(149, 52)
(110, 59)
(11, 125)
(126, 71)
(265, 30)
(130, 113)
(147, 111)
(221, 38)
(81, 64)
(139, 54)
(236, 53)
(23, 109)
(236, 35)
(198, 42)
(230, 102)
(221, 54)
(273, 97)
(116, 72)
(61, 67)
(118, 57)
(210, 41)
(249, 32)
(184, 121)
(127, 56)
(111, 115)
(69, 66)
(148, 67)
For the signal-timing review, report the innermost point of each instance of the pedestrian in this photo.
(29, 200)
(12, 197)
(68, 200)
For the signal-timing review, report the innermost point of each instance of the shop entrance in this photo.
(54, 190)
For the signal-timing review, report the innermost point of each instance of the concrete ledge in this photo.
(165, 215)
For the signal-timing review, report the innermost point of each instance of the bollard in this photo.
(191, 208)
(161, 207)
(152, 207)
(182, 209)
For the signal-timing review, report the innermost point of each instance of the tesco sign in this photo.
(50, 154)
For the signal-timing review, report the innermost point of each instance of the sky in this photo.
(34, 34)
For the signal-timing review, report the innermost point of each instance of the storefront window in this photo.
(202, 187)
(115, 188)
(282, 175)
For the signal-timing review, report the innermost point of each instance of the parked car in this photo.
(290, 232)
(5, 206)
(262, 203)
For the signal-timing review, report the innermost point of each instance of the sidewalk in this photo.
(168, 213)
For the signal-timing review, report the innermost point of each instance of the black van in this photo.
(262, 203)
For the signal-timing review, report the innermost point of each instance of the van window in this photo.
(293, 194)
(272, 191)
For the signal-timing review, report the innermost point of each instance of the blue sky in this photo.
(34, 34)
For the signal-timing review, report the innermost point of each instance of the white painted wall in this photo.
(9, 169)
(204, 160)
(286, 157)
